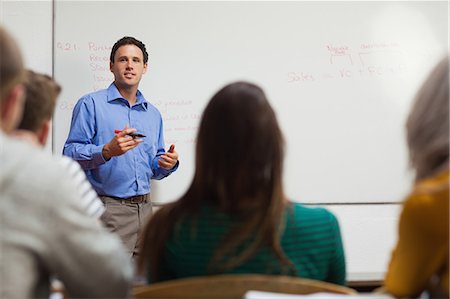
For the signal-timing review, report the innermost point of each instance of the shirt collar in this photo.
(114, 94)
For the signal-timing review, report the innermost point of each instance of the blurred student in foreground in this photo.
(235, 218)
(44, 229)
(41, 93)
(420, 260)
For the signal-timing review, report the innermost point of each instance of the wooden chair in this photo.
(234, 286)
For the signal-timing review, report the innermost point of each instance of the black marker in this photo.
(134, 135)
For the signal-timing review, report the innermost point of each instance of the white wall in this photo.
(30, 22)
(369, 233)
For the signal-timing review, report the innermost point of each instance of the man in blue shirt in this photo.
(118, 164)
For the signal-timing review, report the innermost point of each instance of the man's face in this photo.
(128, 66)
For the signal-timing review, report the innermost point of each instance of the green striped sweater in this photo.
(311, 240)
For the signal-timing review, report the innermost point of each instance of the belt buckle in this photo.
(137, 199)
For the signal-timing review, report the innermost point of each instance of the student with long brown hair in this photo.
(235, 218)
(420, 260)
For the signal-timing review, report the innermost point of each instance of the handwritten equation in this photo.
(368, 61)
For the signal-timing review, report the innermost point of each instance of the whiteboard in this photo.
(340, 76)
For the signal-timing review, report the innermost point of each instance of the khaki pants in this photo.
(126, 219)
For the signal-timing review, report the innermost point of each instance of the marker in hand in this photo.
(172, 147)
(134, 134)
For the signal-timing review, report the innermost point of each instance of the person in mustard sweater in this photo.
(420, 260)
(235, 218)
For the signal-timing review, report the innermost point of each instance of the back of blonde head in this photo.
(11, 65)
(428, 124)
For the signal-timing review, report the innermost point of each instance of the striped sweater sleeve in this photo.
(89, 199)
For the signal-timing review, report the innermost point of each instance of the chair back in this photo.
(235, 286)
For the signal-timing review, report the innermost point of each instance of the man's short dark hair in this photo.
(128, 40)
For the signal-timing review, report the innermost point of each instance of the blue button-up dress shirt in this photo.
(95, 117)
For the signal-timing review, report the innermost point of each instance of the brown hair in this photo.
(41, 93)
(11, 65)
(128, 40)
(239, 159)
(428, 124)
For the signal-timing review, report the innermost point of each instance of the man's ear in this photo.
(42, 133)
(12, 108)
(110, 66)
(145, 68)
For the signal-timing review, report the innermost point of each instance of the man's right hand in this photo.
(120, 144)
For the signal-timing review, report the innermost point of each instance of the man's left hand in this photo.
(168, 160)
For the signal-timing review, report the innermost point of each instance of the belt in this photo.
(133, 199)
(136, 199)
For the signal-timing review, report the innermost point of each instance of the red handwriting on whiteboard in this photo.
(95, 47)
(66, 46)
(297, 77)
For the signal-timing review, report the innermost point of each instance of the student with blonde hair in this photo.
(420, 261)
(44, 230)
(235, 218)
